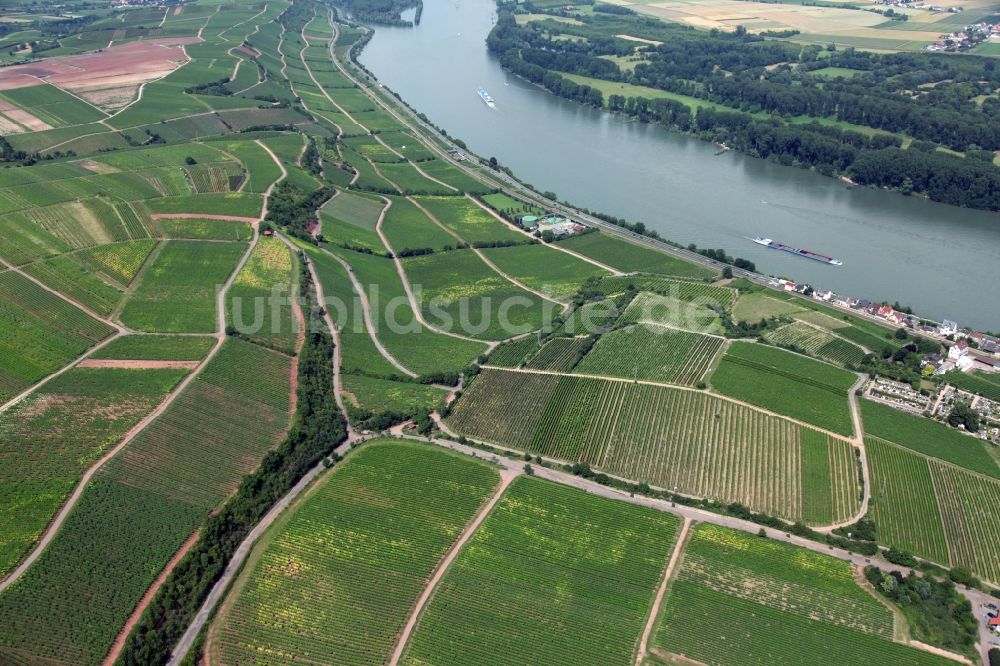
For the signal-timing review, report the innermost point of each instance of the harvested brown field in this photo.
(110, 78)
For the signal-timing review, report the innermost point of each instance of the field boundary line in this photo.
(366, 315)
(507, 475)
(417, 312)
(119, 644)
(660, 592)
(486, 260)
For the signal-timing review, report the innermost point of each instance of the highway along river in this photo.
(938, 259)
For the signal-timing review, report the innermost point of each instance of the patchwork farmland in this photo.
(186, 471)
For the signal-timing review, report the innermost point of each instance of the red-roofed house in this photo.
(958, 350)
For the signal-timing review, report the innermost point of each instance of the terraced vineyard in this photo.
(156, 348)
(787, 384)
(656, 353)
(554, 575)
(782, 605)
(700, 444)
(346, 605)
(816, 342)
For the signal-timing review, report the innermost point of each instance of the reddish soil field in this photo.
(119, 66)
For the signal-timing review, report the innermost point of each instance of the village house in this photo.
(947, 327)
(958, 350)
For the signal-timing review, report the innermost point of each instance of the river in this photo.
(939, 259)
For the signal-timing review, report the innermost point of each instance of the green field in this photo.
(41, 333)
(558, 354)
(156, 348)
(627, 256)
(341, 593)
(554, 575)
(258, 305)
(703, 445)
(693, 315)
(460, 293)
(557, 274)
(50, 438)
(651, 352)
(468, 220)
(176, 292)
(781, 605)
(787, 384)
(817, 342)
(928, 437)
(382, 395)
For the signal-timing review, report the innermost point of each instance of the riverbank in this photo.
(679, 187)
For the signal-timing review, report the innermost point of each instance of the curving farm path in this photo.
(507, 475)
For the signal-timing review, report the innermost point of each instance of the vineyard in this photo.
(683, 290)
(120, 261)
(967, 504)
(553, 576)
(651, 352)
(383, 395)
(467, 219)
(649, 308)
(558, 354)
(793, 607)
(408, 228)
(460, 293)
(626, 256)
(392, 510)
(698, 443)
(176, 292)
(984, 385)
(512, 354)
(48, 439)
(258, 304)
(903, 504)
(67, 275)
(557, 274)
(143, 504)
(200, 447)
(156, 348)
(928, 437)
(787, 384)
(816, 342)
(596, 316)
(42, 333)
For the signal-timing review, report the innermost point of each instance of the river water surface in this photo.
(941, 260)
